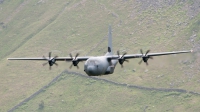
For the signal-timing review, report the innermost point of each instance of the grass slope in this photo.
(93, 95)
(32, 28)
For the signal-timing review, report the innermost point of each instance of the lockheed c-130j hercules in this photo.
(101, 65)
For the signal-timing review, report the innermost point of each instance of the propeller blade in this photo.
(147, 63)
(71, 66)
(76, 55)
(118, 53)
(73, 59)
(49, 55)
(45, 58)
(127, 61)
(45, 63)
(140, 62)
(145, 57)
(56, 64)
(77, 66)
(147, 52)
(123, 55)
(141, 51)
(70, 55)
(50, 60)
(55, 57)
(121, 59)
(49, 67)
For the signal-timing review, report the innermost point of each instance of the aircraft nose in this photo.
(91, 70)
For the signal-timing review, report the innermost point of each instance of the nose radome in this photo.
(90, 69)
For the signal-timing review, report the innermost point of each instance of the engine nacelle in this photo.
(121, 61)
(51, 62)
(110, 70)
(75, 62)
(145, 59)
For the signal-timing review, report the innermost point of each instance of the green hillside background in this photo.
(32, 28)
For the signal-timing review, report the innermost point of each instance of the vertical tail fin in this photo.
(110, 50)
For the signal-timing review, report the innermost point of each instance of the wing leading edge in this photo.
(129, 56)
(57, 58)
(155, 54)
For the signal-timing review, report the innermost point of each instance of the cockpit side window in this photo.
(91, 62)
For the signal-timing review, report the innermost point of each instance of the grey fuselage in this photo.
(96, 66)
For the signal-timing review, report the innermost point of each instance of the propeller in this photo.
(74, 60)
(50, 60)
(145, 57)
(121, 59)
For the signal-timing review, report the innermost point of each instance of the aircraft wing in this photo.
(155, 54)
(129, 56)
(168, 53)
(38, 58)
(57, 58)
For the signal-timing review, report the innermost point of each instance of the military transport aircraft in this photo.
(101, 65)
